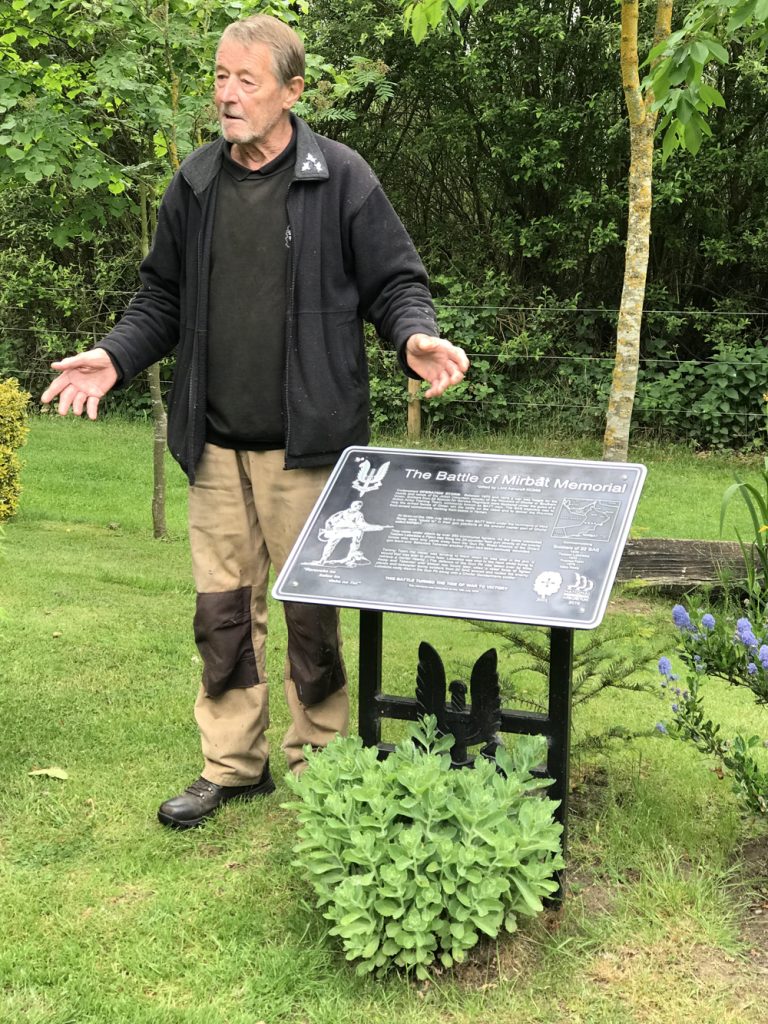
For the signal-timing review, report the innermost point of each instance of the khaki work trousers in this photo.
(245, 513)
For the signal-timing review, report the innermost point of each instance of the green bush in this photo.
(716, 398)
(412, 861)
(13, 432)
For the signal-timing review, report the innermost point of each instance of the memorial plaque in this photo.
(501, 538)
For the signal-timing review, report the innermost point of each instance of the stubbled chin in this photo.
(233, 127)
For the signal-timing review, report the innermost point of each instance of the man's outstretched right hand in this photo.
(82, 382)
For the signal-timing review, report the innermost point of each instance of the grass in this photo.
(108, 917)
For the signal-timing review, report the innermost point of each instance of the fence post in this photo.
(414, 409)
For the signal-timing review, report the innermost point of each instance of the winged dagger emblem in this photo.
(369, 479)
(478, 723)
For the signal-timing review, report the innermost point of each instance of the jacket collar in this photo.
(310, 159)
(201, 167)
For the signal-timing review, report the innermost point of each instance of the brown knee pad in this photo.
(223, 636)
(314, 653)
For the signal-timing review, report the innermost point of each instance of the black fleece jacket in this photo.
(350, 259)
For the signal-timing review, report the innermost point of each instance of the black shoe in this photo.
(202, 799)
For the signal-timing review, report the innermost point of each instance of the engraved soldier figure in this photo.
(349, 524)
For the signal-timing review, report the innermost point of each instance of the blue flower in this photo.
(744, 633)
(660, 727)
(681, 618)
(675, 708)
(665, 667)
(708, 621)
(752, 668)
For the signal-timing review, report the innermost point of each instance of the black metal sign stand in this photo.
(467, 536)
(555, 724)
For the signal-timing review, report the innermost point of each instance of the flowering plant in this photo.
(738, 656)
(717, 648)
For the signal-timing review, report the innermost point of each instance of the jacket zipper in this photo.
(194, 375)
(290, 326)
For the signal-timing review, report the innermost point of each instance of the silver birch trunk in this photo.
(642, 124)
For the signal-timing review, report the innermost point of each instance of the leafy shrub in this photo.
(717, 402)
(55, 301)
(13, 432)
(728, 408)
(388, 388)
(410, 861)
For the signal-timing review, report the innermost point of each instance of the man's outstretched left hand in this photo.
(436, 361)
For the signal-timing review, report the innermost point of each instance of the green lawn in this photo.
(107, 917)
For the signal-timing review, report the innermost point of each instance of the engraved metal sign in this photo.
(501, 538)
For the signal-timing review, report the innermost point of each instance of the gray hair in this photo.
(284, 44)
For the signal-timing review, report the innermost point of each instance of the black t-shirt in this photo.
(247, 302)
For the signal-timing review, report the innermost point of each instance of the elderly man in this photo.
(272, 244)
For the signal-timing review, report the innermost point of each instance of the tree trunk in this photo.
(159, 419)
(159, 433)
(414, 409)
(642, 124)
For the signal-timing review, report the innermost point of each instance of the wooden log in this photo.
(674, 563)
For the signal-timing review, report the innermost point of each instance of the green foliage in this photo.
(730, 651)
(98, 100)
(714, 648)
(478, 168)
(718, 402)
(755, 551)
(412, 862)
(326, 102)
(53, 302)
(423, 16)
(680, 63)
(677, 63)
(604, 660)
(540, 369)
(510, 177)
(13, 433)
(692, 724)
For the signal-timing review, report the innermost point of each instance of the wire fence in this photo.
(43, 341)
(110, 298)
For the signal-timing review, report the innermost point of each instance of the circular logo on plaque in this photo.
(547, 583)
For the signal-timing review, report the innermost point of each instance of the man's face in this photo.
(250, 100)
